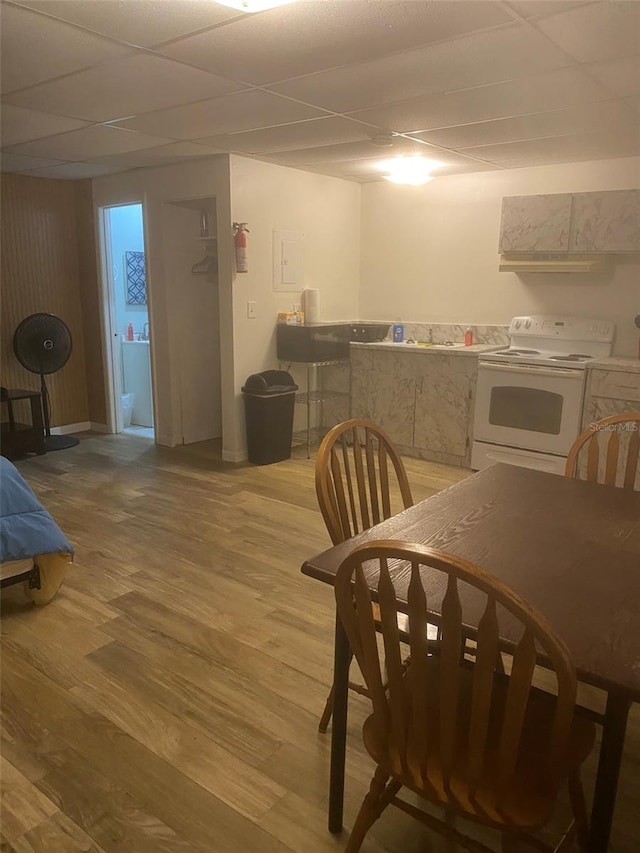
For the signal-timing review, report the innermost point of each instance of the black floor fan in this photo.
(42, 344)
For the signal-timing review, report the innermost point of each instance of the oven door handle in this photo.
(532, 370)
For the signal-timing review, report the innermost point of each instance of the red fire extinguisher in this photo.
(240, 242)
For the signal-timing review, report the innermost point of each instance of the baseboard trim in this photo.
(84, 426)
(103, 428)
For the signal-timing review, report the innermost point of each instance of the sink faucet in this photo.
(145, 332)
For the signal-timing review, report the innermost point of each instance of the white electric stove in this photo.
(529, 395)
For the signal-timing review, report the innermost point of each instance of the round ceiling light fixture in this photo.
(413, 170)
(383, 140)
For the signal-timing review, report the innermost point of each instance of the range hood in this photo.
(542, 262)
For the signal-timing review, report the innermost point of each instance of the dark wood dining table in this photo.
(570, 548)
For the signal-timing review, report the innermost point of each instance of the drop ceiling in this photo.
(92, 87)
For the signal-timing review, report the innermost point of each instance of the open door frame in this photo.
(113, 380)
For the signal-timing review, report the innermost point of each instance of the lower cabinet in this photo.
(610, 392)
(443, 413)
(423, 401)
(383, 387)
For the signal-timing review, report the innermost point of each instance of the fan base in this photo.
(60, 442)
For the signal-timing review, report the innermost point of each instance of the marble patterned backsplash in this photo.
(440, 333)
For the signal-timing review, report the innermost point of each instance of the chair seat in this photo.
(529, 800)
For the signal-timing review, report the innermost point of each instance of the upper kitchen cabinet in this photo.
(580, 223)
(605, 222)
(535, 223)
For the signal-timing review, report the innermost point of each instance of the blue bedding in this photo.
(26, 528)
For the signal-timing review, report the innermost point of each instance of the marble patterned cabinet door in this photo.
(443, 405)
(535, 223)
(606, 222)
(383, 391)
(610, 392)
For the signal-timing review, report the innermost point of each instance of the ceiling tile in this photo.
(72, 171)
(21, 163)
(552, 90)
(243, 111)
(18, 125)
(585, 118)
(352, 151)
(531, 9)
(475, 60)
(138, 84)
(88, 142)
(143, 22)
(36, 48)
(562, 149)
(302, 134)
(310, 36)
(598, 31)
(621, 76)
(158, 156)
(634, 105)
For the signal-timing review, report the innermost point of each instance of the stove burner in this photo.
(522, 352)
(571, 357)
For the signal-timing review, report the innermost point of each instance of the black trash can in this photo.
(268, 404)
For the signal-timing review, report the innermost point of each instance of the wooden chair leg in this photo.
(370, 810)
(579, 806)
(327, 713)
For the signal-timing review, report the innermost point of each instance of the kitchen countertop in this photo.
(628, 365)
(473, 350)
(613, 362)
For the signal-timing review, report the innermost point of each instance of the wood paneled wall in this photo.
(91, 303)
(48, 264)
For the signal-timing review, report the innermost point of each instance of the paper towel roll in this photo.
(311, 304)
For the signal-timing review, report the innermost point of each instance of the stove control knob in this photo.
(517, 324)
(527, 324)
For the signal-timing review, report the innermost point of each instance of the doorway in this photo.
(127, 320)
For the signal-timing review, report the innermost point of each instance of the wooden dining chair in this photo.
(360, 481)
(485, 746)
(598, 454)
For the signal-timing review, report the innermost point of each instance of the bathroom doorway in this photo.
(127, 320)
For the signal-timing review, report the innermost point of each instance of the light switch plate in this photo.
(251, 310)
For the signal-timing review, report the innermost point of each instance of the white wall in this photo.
(327, 211)
(431, 253)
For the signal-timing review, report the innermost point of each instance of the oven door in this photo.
(536, 408)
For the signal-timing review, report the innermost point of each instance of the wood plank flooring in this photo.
(167, 700)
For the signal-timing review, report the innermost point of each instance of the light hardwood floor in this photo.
(168, 698)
